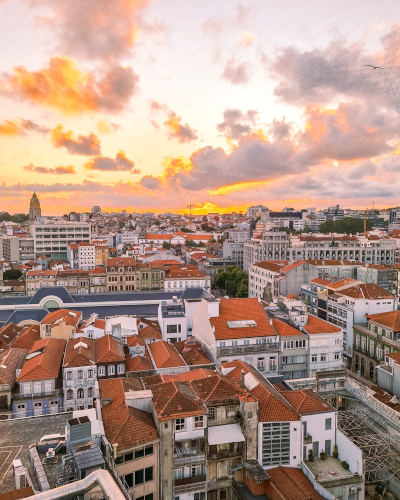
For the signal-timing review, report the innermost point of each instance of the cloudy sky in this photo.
(151, 105)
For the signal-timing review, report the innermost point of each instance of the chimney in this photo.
(115, 446)
(242, 379)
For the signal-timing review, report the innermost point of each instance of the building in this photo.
(35, 212)
(79, 374)
(233, 250)
(293, 356)
(382, 275)
(110, 358)
(76, 281)
(40, 380)
(39, 279)
(86, 255)
(151, 277)
(98, 280)
(11, 360)
(121, 274)
(180, 277)
(256, 210)
(96, 210)
(374, 341)
(51, 238)
(237, 329)
(135, 454)
(17, 249)
(60, 324)
(172, 320)
(101, 252)
(277, 245)
(269, 280)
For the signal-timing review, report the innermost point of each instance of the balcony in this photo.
(186, 456)
(272, 368)
(42, 394)
(189, 484)
(233, 450)
(247, 349)
(307, 439)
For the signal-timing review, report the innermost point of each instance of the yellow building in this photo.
(61, 324)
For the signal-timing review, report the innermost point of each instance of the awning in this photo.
(220, 434)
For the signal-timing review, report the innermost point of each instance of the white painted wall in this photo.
(316, 429)
(350, 452)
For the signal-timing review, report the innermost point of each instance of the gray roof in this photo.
(58, 291)
(17, 315)
(88, 458)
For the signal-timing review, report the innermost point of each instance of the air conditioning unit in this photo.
(353, 489)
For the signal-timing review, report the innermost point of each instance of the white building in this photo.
(121, 327)
(256, 210)
(86, 256)
(172, 320)
(180, 277)
(51, 238)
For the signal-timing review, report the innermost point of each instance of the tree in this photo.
(348, 225)
(157, 222)
(166, 245)
(190, 243)
(186, 230)
(205, 227)
(243, 290)
(233, 280)
(12, 274)
(201, 244)
(288, 230)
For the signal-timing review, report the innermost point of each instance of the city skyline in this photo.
(150, 106)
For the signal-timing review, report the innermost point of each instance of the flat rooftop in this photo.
(330, 469)
(15, 438)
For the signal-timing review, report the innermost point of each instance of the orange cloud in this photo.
(64, 86)
(234, 188)
(82, 145)
(177, 130)
(20, 126)
(246, 39)
(57, 170)
(105, 127)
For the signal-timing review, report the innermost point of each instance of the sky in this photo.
(154, 105)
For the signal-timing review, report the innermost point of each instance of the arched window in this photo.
(90, 392)
(90, 373)
(80, 394)
(80, 374)
(70, 394)
(69, 376)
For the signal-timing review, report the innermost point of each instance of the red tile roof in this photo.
(389, 319)
(109, 350)
(69, 317)
(283, 329)
(179, 377)
(367, 291)
(292, 484)
(51, 274)
(240, 310)
(341, 283)
(11, 360)
(28, 336)
(176, 400)
(47, 363)
(8, 334)
(317, 325)
(136, 362)
(124, 425)
(306, 402)
(84, 355)
(165, 355)
(320, 281)
(192, 353)
(98, 270)
(121, 261)
(217, 389)
(272, 265)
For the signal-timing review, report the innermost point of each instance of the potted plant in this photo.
(310, 456)
(335, 451)
(345, 464)
(322, 455)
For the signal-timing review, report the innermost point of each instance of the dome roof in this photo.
(35, 200)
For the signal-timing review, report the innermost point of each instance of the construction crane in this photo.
(189, 206)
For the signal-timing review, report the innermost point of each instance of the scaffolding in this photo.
(381, 451)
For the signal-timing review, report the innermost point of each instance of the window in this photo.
(121, 368)
(80, 394)
(148, 474)
(90, 334)
(337, 355)
(69, 376)
(180, 424)
(275, 444)
(260, 364)
(111, 370)
(323, 357)
(211, 413)
(314, 359)
(90, 373)
(80, 374)
(201, 495)
(198, 422)
(337, 341)
(90, 392)
(328, 424)
(101, 371)
(148, 450)
(139, 477)
(48, 330)
(128, 457)
(230, 411)
(172, 328)
(246, 342)
(70, 394)
(139, 453)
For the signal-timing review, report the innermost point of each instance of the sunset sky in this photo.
(151, 105)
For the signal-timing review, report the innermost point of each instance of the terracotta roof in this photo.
(285, 330)
(317, 325)
(389, 319)
(47, 363)
(98, 270)
(395, 356)
(272, 265)
(149, 332)
(8, 333)
(179, 377)
(165, 355)
(272, 407)
(28, 336)
(124, 425)
(137, 362)
(217, 389)
(84, 355)
(68, 316)
(240, 310)
(42, 273)
(320, 281)
(367, 291)
(306, 402)
(124, 261)
(108, 349)
(203, 256)
(293, 266)
(292, 484)
(192, 352)
(176, 400)
(99, 323)
(333, 262)
(11, 360)
(182, 271)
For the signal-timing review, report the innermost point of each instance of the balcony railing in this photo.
(42, 394)
(235, 450)
(188, 455)
(247, 349)
(188, 484)
(307, 439)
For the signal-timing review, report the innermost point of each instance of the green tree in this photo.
(233, 280)
(166, 245)
(348, 225)
(205, 227)
(190, 243)
(243, 290)
(201, 244)
(186, 230)
(12, 274)
(157, 222)
(19, 218)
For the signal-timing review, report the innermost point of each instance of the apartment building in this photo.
(293, 356)
(382, 275)
(39, 380)
(172, 320)
(110, 358)
(374, 341)
(256, 210)
(180, 277)
(79, 374)
(275, 245)
(269, 280)
(60, 324)
(151, 277)
(121, 274)
(51, 238)
(39, 279)
(233, 250)
(237, 328)
(17, 249)
(101, 252)
(76, 281)
(98, 280)
(11, 361)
